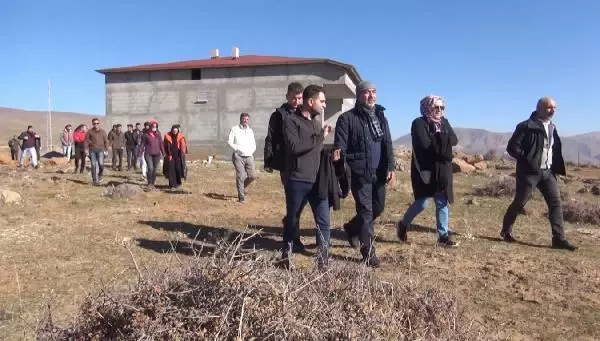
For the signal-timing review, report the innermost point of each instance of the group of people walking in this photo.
(361, 160)
(143, 147)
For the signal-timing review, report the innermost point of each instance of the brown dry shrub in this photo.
(503, 187)
(236, 297)
(581, 211)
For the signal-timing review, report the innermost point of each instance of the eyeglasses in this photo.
(95, 123)
(439, 107)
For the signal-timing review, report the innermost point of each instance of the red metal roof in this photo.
(228, 62)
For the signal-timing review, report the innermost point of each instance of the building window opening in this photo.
(196, 74)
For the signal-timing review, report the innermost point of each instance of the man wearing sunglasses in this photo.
(362, 137)
(96, 146)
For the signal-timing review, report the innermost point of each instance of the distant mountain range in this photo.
(479, 141)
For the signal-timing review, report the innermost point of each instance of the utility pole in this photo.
(49, 120)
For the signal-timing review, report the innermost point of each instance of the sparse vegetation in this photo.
(503, 187)
(581, 211)
(237, 297)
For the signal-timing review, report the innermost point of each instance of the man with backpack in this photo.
(275, 150)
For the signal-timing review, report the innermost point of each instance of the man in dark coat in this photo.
(431, 169)
(275, 151)
(538, 150)
(362, 136)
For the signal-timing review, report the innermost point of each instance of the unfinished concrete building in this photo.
(207, 96)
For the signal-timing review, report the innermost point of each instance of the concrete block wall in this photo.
(169, 97)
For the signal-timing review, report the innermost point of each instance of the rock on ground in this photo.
(9, 197)
(122, 191)
(461, 166)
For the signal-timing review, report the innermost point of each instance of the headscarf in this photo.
(426, 110)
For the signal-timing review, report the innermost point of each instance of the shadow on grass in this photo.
(213, 236)
(181, 247)
(219, 196)
(518, 242)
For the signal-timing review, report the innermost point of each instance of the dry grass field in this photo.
(67, 241)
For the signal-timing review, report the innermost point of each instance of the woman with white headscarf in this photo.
(431, 169)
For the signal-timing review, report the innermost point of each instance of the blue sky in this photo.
(490, 60)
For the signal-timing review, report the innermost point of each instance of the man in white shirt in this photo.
(241, 140)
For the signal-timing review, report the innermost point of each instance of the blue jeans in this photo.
(441, 212)
(97, 160)
(296, 195)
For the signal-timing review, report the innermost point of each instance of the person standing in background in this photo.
(30, 145)
(153, 149)
(96, 146)
(14, 146)
(241, 140)
(130, 147)
(117, 143)
(175, 150)
(79, 137)
(66, 141)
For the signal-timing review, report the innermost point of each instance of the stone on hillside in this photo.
(461, 166)
(473, 159)
(481, 165)
(122, 191)
(9, 197)
(595, 190)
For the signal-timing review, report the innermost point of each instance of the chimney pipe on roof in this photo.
(214, 53)
(235, 52)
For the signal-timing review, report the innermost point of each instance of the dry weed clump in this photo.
(580, 211)
(240, 297)
(503, 187)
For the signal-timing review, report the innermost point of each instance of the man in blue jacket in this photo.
(362, 136)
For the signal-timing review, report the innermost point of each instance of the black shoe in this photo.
(286, 257)
(401, 231)
(507, 237)
(563, 244)
(372, 261)
(241, 200)
(298, 246)
(447, 242)
(354, 241)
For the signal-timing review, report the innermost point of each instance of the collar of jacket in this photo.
(283, 109)
(379, 109)
(299, 114)
(534, 123)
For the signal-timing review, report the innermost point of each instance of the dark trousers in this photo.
(175, 172)
(14, 155)
(131, 158)
(370, 203)
(97, 161)
(546, 183)
(152, 162)
(297, 220)
(117, 155)
(297, 193)
(79, 158)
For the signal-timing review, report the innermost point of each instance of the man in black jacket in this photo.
(363, 137)
(304, 137)
(130, 147)
(275, 144)
(538, 150)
